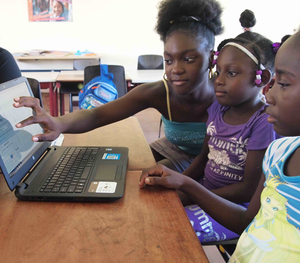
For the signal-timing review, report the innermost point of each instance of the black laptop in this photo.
(38, 171)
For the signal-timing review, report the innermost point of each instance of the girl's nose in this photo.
(219, 80)
(178, 68)
(270, 95)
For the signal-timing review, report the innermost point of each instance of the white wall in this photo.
(120, 30)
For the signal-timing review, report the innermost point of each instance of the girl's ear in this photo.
(266, 77)
(211, 58)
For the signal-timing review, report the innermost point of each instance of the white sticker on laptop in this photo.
(111, 156)
(103, 187)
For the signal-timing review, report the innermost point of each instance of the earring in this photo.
(211, 73)
(258, 77)
(165, 77)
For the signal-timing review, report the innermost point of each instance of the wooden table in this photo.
(47, 80)
(68, 76)
(127, 133)
(51, 61)
(146, 225)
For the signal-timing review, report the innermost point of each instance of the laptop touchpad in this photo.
(106, 172)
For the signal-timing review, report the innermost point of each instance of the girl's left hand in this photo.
(161, 175)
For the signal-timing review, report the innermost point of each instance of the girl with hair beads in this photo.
(273, 235)
(238, 132)
(188, 30)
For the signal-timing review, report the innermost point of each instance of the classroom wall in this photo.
(120, 30)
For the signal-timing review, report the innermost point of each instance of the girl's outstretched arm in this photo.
(228, 214)
(141, 97)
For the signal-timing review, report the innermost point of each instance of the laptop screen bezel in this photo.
(13, 181)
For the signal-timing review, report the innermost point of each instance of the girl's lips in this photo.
(220, 93)
(179, 82)
(271, 119)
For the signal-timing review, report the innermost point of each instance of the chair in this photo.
(36, 89)
(71, 88)
(225, 247)
(91, 72)
(150, 62)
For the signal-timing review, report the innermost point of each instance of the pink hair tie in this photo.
(215, 58)
(258, 77)
(276, 46)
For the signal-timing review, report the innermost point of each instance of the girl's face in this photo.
(284, 96)
(270, 207)
(186, 62)
(235, 77)
(57, 9)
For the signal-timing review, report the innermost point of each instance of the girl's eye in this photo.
(168, 61)
(189, 59)
(268, 200)
(232, 73)
(282, 85)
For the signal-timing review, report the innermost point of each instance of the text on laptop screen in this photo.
(16, 145)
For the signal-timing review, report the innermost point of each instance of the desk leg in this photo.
(61, 100)
(52, 97)
(55, 100)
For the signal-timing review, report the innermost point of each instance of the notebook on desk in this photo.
(38, 171)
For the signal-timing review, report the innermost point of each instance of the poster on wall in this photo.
(50, 10)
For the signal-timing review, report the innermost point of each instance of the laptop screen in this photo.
(16, 146)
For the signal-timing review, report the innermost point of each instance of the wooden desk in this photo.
(146, 225)
(49, 56)
(71, 76)
(47, 80)
(54, 61)
(68, 76)
(126, 133)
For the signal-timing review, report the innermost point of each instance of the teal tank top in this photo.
(188, 136)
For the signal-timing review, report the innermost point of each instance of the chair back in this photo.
(36, 89)
(80, 64)
(91, 72)
(150, 62)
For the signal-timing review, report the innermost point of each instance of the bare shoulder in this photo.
(152, 92)
(292, 167)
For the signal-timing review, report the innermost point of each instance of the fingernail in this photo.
(18, 125)
(147, 180)
(17, 104)
(17, 99)
(35, 139)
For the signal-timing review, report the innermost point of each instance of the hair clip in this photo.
(258, 77)
(276, 46)
(215, 58)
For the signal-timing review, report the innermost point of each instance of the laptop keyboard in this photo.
(71, 171)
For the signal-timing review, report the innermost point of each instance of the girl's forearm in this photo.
(228, 214)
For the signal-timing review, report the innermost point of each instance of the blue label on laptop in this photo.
(111, 156)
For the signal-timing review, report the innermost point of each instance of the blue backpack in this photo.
(99, 90)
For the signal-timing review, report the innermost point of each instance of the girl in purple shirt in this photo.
(230, 163)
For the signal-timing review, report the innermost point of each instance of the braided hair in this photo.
(258, 45)
(195, 17)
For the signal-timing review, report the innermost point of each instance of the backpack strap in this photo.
(104, 71)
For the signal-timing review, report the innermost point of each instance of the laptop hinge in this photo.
(22, 185)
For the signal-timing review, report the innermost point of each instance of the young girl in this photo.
(188, 30)
(238, 132)
(273, 235)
